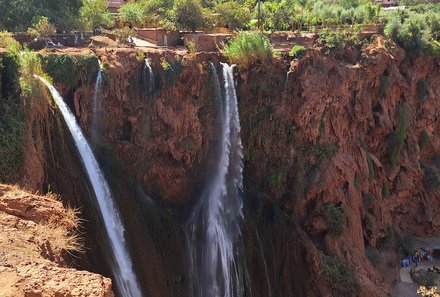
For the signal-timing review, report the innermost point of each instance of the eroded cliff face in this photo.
(349, 130)
(353, 130)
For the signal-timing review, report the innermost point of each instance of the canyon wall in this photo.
(341, 158)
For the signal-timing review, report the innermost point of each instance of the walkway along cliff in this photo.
(339, 161)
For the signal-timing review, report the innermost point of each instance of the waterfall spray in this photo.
(215, 224)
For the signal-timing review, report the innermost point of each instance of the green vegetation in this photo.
(336, 217)
(385, 190)
(94, 14)
(367, 200)
(421, 89)
(331, 40)
(132, 12)
(324, 151)
(41, 28)
(397, 139)
(248, 49)
(424, 140)
(189, 15)
(373, 256)
(8, 42)
(70, 70)
(232, 15)
(369, 161)
(172, 69)
(405, 243)
(383, 85)
(339, 277)
(427, 278)
(11, 120)
(297, 51)
(18, 15)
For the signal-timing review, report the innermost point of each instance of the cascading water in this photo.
(148, 83)
(97, 92)
(124, 276)
(214, 231)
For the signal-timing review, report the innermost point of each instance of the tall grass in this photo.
(248, 48)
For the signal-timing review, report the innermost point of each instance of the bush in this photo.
(8, 42)
(297, 51)
(385, 190)
(427, 278)
(249, 48)
(373, 256)
(41, 28)
(424, 140)
(339, 277)
(336, 217)
(405, 242)
(398, 138)
(324, 151)
(421, 89)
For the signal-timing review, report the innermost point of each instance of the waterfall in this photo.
(97, 93)
(124, 276)
(214, 231)
(148, 84)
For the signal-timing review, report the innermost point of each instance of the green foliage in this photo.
(324, 151)
(368, 200)
(18, 15)
(424, 140)
(383, 85)
(421, 89)
(385, 190)
(94, 14)
(373, 256)
(172, 69)
(249, 48)
(8, 42)
(405, 243)
(69, 70)
(123, 34)
(397, 139)
(369, 161)
(131, 12)
(339, 277)
(390, 236)
(41, 28)
(336, 217)
(297, 51)
(11, 120)
(189, 15)
(233, 15)
(431, 178)
(331, 40)
(427, 278)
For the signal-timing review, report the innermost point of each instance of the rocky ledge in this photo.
(36, 232)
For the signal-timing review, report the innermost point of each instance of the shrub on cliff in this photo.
(8, 42)
(397, 139)
(248, 48)
(297, 51)
(339, 277)
(336, 217)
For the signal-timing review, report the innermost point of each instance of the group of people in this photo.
(418, 256)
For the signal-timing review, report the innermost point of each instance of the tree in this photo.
(94, 14)
(233, 15)
(42, 28)
(131, 12)
(18, 15)
(188, 14)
